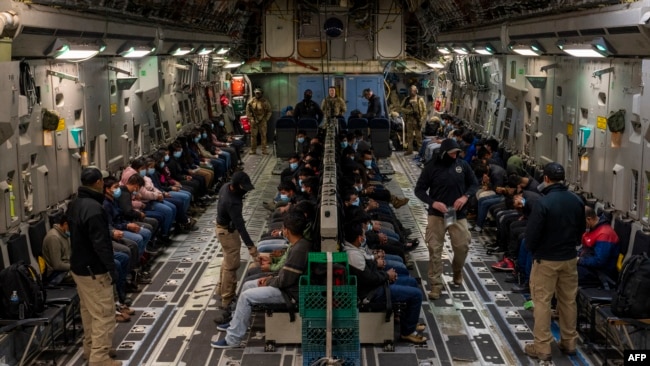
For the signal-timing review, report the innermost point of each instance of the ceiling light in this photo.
(599, 47)
(130, 50)
(74, 51)
(435, 65)
(223, 50)
(181, 50)
(205, 50)
(531, 49)
(485, 49)
(444, 50)
(232, 65)
(460, 49)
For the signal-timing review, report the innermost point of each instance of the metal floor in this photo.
(481, 323)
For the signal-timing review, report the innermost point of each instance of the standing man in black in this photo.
(446, 184)
(554, 230)
(93, 267)
(230, 227)
(308, 108)
(374, 105)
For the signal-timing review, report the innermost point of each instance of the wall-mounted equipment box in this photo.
(586, 138)
(76, 137)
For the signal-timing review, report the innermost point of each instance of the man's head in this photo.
(92, 178)
(242, 182)
(367, 93)
(331, 91)
(257, 93)
(294, 225)
(354, 233)
(591, 217)
(307, 95)
(449, 150)
(413, 90)
(553, 173)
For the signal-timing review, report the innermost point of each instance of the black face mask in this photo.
(447, 159)
(307, 97)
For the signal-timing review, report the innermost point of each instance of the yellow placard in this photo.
(61, 125)
(113, 108)
(569, 129)
(601, 122)
(549, 109)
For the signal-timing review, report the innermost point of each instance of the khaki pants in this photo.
(231, 246)
(255, 128)
(435, 238)
(559, 278)
(411, 128)
(97, 316)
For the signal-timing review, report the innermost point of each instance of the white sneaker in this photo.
(478, 229)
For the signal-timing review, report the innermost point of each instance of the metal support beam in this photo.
(63, 75)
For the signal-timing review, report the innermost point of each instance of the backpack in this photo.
(632, 299)
(50, 120)
(23, 279)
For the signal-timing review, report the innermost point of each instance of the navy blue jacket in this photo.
(556, 224)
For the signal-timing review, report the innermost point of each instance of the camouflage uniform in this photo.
(333, 103)
(415, 113)
(258, 110)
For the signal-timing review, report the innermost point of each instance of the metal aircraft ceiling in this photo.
(241, 20)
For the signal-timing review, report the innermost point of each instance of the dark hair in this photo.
(349, 193)
(352, 230)
(295, 223)
(135, 179)
(295, 157)
(137, 163)
(90, 176)
(109, 181)
(590, 212)
(301, 132)
(286, 185)
(305, 208)
(60, 218)
(482, 153)
(514, 180)
(311, 182)
(306, 172)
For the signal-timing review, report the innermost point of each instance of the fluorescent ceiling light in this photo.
(461, 50)
(435, 65)
(444, 50)
(232, 65)
(130, 50)
(181, 50)
(532, 49)
(485, 49)
(223, 50)
(599, 47)
(62, 49)
(205, 50)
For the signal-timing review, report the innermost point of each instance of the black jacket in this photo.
(369, 277)
(92, 248)
(374, 108)
(556, 224)
(229, 213)
(446, 183)
(308, 109)
(125, 205)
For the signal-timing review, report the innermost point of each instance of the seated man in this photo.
(599, 250)
(370, 278)
(56, 252)
(269, 290)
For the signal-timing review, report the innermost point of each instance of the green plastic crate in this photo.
(319, 259)
(345, 335)
(313, 300)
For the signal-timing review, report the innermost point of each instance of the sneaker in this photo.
(122, 317)
(434, 294)
(125, 310)
(567, 351)
(529, 348)
(521, 289)
(223, 327)
(408, 153)
(222, 344)
(478, 229)
(505, 265)
(420, 327)
(414, 338)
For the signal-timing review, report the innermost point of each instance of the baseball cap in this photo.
(449, 145)
(554, 171)
(243, 181)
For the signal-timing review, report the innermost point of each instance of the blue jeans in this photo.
(398, 266)
(524, 262)
(484, 206)
(251, 295)
(412, 296)
(122, 266)
(184, 196)
(267, 246)
(141, 238)
(226, 156)
(166, 211)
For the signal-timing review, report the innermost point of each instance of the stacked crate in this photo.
(345, 315)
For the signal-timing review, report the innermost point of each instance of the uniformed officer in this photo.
(333, 106)
(415, 112)
(230, 227)
(258, 111)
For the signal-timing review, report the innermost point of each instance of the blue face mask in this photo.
(367, 163)
(134, 193)
(143, 173)
(204, 135)
(150, 171)
(352, 157)
(354, 146)
(302, 189)
(523, 202)
(284, 198)
(117, 192)
(363, 242)
(299, 182)
(166, 158)
(358, 188)
(356, 202)
(221, 123)
(177, 154)
(67, 233)
(369, 226)
(162, 164)
(344, 144)
(293, 166)
(197, 139)
(301, 140)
